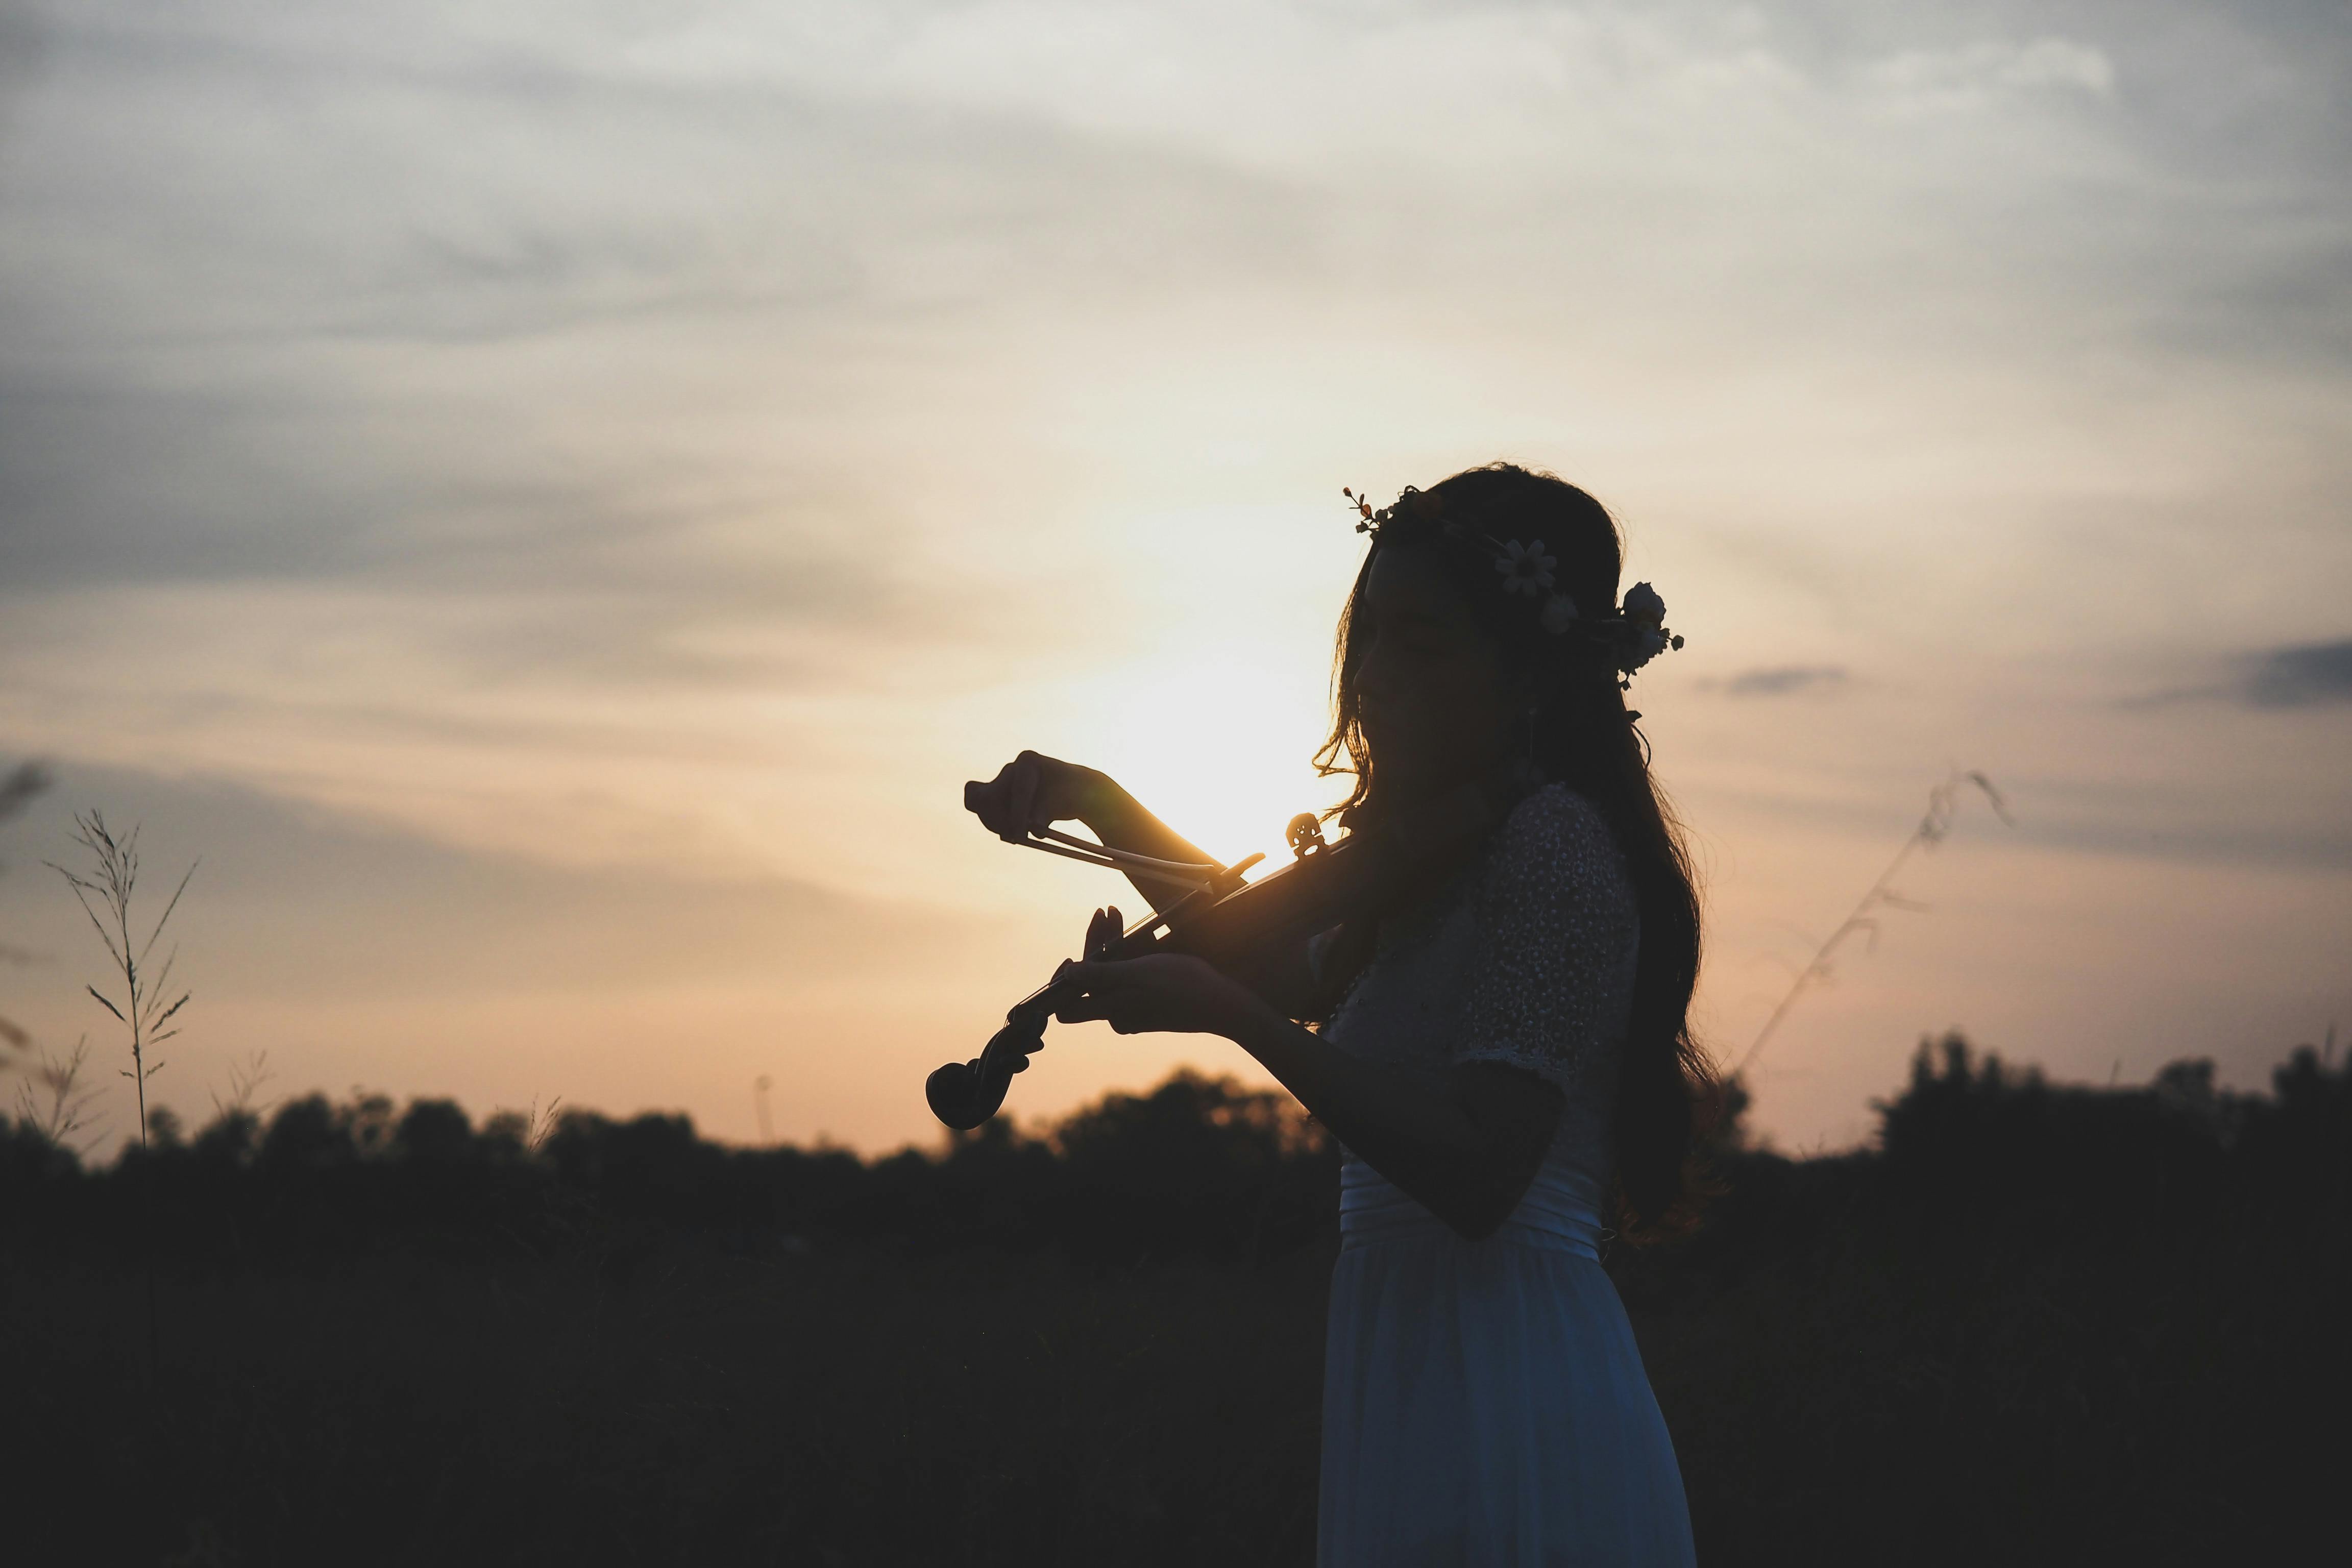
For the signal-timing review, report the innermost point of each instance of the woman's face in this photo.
(1433, 698)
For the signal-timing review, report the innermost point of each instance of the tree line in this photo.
(1197, 1167)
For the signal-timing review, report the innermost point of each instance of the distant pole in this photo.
(759, 1086)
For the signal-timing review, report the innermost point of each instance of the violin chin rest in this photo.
(960, 1096)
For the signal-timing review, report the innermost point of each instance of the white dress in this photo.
(1484, 1402)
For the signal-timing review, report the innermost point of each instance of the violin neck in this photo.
(1362, 875)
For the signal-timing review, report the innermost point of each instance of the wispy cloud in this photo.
(1779, 680)
(2302, 676)
(2297, 675)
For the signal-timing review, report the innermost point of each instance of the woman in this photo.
(1503, 1056)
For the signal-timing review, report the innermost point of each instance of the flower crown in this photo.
(1634, 632)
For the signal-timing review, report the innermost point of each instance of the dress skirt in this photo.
(1484, 1402)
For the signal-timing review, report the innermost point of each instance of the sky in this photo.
(551, 502)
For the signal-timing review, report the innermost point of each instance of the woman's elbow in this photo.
(1514, 1114)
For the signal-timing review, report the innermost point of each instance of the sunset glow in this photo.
(553, 507)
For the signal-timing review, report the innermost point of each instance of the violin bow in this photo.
(1183, 873)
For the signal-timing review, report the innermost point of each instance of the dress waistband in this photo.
(1560, 1213)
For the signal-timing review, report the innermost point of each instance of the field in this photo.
(2036, 1325)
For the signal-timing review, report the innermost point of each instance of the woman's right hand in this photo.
(1036, 791)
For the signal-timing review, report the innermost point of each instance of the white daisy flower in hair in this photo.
(1526, 568)
(1558, 613)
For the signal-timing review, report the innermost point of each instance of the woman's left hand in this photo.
(1160, 993)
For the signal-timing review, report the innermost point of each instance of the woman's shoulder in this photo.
(1555, 835)
(1553, 815)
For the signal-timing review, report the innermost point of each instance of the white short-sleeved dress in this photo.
(1484, 1402)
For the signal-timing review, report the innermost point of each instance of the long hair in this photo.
(1580, 734)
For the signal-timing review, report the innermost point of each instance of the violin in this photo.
(1238, 926)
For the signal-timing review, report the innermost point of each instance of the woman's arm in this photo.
(1036, 791)
(1120, 821)
(1559, 931)
(1464, 1142)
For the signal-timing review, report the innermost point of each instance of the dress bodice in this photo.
(1526, 957)
(1484, 1399)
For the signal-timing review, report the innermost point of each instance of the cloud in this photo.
(2305, 675)
(298, 900)
(1779, 680)
(1963, 76)
(2296, 675)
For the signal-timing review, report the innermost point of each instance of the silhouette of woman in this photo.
(1503, 1054)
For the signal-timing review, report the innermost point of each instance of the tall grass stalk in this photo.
(1943, 809)
(105, 894)
(539, 1125)
(245, 1081)
(61, 1106)
(146, 1005)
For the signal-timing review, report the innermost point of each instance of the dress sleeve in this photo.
(1558, 928)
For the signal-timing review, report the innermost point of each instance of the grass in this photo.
(2036, 1325)
(683, 1408)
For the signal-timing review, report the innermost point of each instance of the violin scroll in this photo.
(962, 1095)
